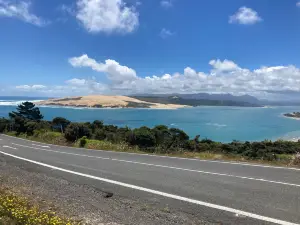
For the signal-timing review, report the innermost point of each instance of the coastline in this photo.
(103, 101)
(108, 108)
(290, 117)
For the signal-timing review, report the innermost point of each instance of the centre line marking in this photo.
(164, 194)
(5, 146)
(43, 146)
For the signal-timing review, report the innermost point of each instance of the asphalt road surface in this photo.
(228, 192)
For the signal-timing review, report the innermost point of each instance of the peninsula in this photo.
(294, 115)
(106, 101)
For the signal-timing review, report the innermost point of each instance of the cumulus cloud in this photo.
(165, 33)
(107, 16)
(226, 65)
(225, 76)
(73, 86)
(76, 82)
(246, 16)
(114, 71)
(21, 11)
(31, 87)
(166, 3)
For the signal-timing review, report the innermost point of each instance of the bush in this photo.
(60, 123)
(77, 130)
(82, 141)
(30, 127)
(4, 124)
(143, 137)
(99, 135)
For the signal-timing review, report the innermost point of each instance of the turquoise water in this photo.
(217, 123)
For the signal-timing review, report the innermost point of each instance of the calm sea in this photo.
(218, 123)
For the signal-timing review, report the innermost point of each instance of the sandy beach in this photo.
(106, 101)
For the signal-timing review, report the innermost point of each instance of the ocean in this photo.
(217, 123)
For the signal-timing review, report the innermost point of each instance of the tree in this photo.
(27, 110)
(179, 138)
(4, 123)
(61, 122)
(97, 124)
(143, 137)
(77, 130)
(19, 124)
(162, 135)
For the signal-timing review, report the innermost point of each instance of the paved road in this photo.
(234, 193)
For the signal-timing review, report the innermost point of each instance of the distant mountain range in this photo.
(195, 101)
(218, 99)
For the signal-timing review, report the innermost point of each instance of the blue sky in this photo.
(73, 47)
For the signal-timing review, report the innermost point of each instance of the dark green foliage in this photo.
(77, 130)
(97, 124)
(110, 128)
(158, 139)
(4, 124)
(27, 110)
(143, 137)
(99, 134)
(18, 124)
(61, 123)
(82, 141)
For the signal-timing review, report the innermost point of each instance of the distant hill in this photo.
(179, 100)
(221, 97)
(212, 97)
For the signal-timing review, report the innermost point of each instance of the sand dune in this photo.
(106, 101)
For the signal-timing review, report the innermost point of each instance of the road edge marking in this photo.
(164, 194)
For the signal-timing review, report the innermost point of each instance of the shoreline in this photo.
(108, 108)
(290, 117)
(106, 101)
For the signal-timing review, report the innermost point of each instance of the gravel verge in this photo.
(85, 203)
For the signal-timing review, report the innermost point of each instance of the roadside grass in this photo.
(17, 210)
(57, 138)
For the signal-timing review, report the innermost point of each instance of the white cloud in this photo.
(31, 87)
(246, 16)
(67, 9)
(298, 4)
(114, 71)
(165, 33)
(166, 3)
(107, 16)
(226, 65)
(76, 82)
(20, 10)
(225, 76)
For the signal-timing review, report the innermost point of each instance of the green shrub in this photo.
(99, 134)
(60, 123)
(82, 141)
(77, 130)
(143, 137)
(4, 124)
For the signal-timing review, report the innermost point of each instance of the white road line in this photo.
(43, 146)
(168, 167)
(5, 146)
(164, 194)
(170, 157)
